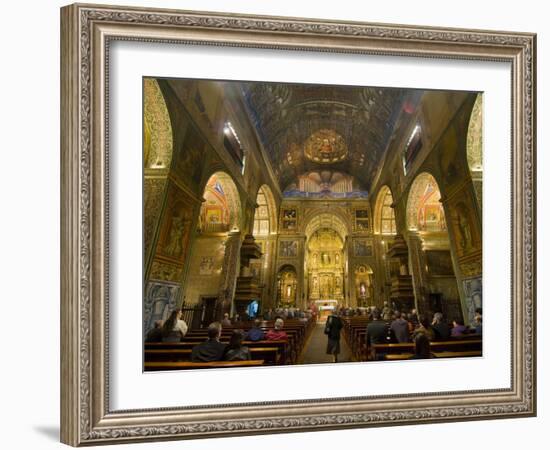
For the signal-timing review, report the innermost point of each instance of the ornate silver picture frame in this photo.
(87, 33)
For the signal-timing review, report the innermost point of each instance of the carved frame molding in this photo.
(86, 33)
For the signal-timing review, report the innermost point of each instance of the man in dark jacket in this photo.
(212, 349)
(442, 331)
(377, 330)
(332, 329)
(400, 328)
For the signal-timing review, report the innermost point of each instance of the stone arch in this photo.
(474, 139)
(157, 158)
(221, 211)
(157, 128)
(384, 213)
(318, 219)
(424, 209)
(474, 147)
(266, 212)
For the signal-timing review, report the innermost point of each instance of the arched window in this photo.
(384, 213)
(265, 216)
(261, 217)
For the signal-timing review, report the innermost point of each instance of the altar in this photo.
(325, 307)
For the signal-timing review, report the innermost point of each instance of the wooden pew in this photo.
(436, 346)
(288, 351)
(269, 355)
(402, 356)
(291, 352)
(279, 346)
(162, 365)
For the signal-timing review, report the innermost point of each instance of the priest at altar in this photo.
(326, 307)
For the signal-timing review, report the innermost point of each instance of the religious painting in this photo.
(206, 265)
(362, 248)
(289, 221)
(175, 232)
(466, 236)
(325, 146)
(288, 249)
(362, 219)
(163, 269)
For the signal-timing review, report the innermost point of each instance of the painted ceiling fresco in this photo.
(307, 128)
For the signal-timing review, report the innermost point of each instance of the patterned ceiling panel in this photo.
(309, 127)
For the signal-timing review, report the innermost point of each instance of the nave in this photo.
(288, 203)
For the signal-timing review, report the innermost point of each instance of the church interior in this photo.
(298, 202)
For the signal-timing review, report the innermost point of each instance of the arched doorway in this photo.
(431, 264)
(424, 209)
(384, 214)
(221, 210)
(214, 262)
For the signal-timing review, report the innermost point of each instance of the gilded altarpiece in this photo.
(325, 265)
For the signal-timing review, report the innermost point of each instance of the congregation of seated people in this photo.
(393, 326)
(174, 329)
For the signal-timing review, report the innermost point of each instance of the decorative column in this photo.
(401, 292)
(230, 270)
(418, 272)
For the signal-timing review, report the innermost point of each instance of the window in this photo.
(414, 144)
(387, 215)
(261, 217)
(233, 145)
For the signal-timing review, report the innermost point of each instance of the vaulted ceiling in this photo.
(318, 128)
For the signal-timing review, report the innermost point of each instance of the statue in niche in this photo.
(362, 289)
(315, 260)
(325, 257)
(174, 247)
(465, 231)
(337, 282)
(315, 284)
(337, 258)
